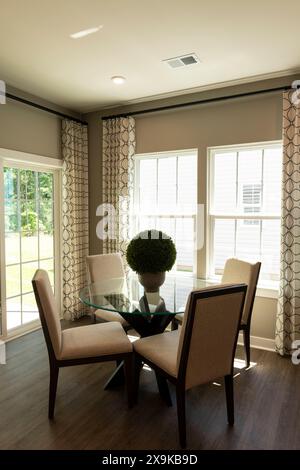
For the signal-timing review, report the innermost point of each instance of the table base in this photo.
(145, 325)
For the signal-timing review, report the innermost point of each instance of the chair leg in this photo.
(229, 398)
(246, 334)
(138, 364)
(128, 369)
(174, 324)
(52, 389)
(163, 388)
(180, 398)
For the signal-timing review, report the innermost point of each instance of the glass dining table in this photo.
(148, 313)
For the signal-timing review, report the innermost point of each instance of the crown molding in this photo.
(213, 86)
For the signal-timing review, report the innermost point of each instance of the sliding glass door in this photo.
(30, 208)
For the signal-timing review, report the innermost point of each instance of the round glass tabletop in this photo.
(126, 295)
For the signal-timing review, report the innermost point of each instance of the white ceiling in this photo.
(233, 40)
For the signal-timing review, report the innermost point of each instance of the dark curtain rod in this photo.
(43, 108)
(147, 111)
(194, 103)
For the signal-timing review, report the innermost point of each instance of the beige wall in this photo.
(253, 119)
(28, 129)
(95, 179)
(234, 122)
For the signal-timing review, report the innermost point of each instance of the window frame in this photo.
(136, 196)
(265, 288)
(16, 159)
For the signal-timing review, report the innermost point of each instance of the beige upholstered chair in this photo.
(202, 350)
(235, 271)
(102, 268)
(80, 345)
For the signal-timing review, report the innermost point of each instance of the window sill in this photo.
(268, 290)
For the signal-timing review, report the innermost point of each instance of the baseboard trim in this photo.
(257, 342)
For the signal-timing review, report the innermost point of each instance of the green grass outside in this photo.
(14, 285)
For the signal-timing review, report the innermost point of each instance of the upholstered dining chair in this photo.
(202, 350)
(103, 268)
(236, 270)
(79, 345)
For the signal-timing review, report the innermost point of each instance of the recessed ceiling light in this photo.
(85, 32)
(118, 80)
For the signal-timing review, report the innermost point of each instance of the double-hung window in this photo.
(244, 207)
(166, 199)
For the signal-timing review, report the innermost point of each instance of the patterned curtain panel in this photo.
(118, 172)
(288, 315)
(74, 216)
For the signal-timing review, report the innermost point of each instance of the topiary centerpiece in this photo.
(150, 254)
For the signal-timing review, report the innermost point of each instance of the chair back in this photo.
(209, 333)
(236, 271)
(48, 311)
(104, 267)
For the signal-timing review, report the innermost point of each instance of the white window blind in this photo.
(166, 199)
(244, 208)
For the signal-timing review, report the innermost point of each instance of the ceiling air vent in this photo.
(182, 61)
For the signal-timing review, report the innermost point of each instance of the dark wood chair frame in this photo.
(179, 381)
(55, 364)
(244, 327)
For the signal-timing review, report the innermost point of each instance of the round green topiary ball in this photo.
(151, 251)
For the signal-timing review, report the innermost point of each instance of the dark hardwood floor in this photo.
(267, 407)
